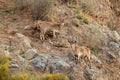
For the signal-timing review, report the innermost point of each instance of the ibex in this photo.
(81, 51)
(46, 26)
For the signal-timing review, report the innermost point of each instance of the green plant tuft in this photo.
(86, 20)
(4, 68)
(54, 77)
(20, 77)
(82, 17)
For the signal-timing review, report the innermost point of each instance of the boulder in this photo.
(13, 65)
(62, 66)
(88, 74)
(111, 56)
(30, 53)
(113, 44)
(40, 62)
(114, 35)
(118, 53)
(24, 41)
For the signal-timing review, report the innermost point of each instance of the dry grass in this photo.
(39, 8)
(88, 5)
(20, 4)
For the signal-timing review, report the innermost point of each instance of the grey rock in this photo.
(96, 59)
(118, 53)
(40, 62)
(119, 42)
(13, 65)
(21, 59)
(104, 48)
(25, 41)
(111, 56)
(40, 65)
(62, 66)
(113, 44)
(30, 53)
(39, 59)
(75, 22)
(88, 74)
(114, 35)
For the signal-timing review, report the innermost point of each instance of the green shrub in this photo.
(34, 77)
(70, 4)
(82, 17)
(25, 76)
(95, 50)
(54, 77)
(20, 76)
(4, 68)
(86, 20)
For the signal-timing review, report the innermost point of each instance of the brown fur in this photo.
(46, 26)
(82, 51)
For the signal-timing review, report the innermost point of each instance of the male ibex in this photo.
(81, 51)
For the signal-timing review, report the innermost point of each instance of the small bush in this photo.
(4, 68)
(54, 77)
(82, 17)
(41, 8)
(25, 76)
(86, 20)
(95, 50)
(34, 77)
(70, 4)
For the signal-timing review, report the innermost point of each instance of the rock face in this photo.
(66, 63)
(50, 63)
